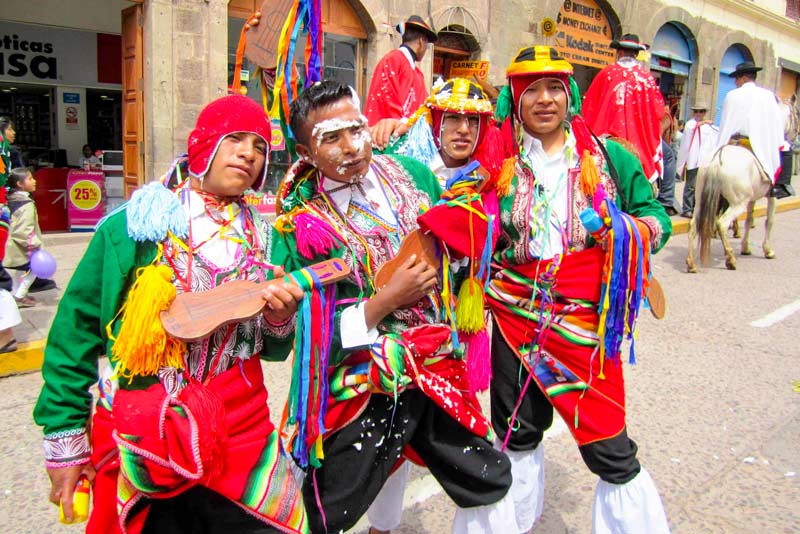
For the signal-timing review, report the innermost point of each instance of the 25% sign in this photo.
(85, 195)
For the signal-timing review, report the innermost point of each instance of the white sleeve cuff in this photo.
(353, 328)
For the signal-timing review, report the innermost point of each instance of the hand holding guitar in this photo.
(281, 298)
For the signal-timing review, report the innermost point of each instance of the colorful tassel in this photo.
(142, 346)
(590, 177)
(308, 392)
(479, 361)
(314, 236)
(492, 151)
(154, 211)
(505, 103)
(506, 177)
(469, 310)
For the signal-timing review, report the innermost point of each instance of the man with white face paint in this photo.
(394, 385)
(548, 348)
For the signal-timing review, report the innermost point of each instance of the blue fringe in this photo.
(419, 143)
(153, 211)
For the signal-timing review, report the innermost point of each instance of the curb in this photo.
(681, 225)
(29, 355)
(27, 358)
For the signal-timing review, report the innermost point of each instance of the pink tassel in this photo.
(315, 237)
(479, 361)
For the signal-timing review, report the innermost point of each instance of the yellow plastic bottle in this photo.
(80, 502)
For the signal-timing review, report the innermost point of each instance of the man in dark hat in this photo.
(697, 146)
(624, 101)
(751, 117)
(398, 86)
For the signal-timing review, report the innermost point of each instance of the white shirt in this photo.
(218, 250)
(753, 111)
(442, 172)
(551, 175)
(697, 145)
(353, 323)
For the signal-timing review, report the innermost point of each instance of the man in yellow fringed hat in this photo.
(444, 134)
(181, 439)
(558, 320)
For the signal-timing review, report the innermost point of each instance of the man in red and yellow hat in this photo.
(556, 343)
(624, 101)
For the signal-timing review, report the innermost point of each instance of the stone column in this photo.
(186, 66)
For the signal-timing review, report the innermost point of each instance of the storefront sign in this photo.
(584, 34)
(263, 202)
(467, 69)
(277, 142)
(548, 27)
(85, 192)
(43, 54)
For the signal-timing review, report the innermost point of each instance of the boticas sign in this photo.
(42, 54)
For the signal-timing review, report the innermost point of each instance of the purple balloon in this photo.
(43, 264)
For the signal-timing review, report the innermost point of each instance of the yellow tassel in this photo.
(590, 178)
(506, 176)
(142, 346)
(469, 310)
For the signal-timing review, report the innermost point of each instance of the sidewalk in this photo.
(68, 248)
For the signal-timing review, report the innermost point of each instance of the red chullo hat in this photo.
(220, 118)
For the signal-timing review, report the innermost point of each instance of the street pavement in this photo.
(711, 404)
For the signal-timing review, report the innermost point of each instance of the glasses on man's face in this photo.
(455, 120)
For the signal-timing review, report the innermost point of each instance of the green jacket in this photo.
(634, 197)
(417, 187)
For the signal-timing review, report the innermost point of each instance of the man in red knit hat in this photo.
(190, 446)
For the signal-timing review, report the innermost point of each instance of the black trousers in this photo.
(613, 460)
(201, 511)
(688, 192)
(359, 458)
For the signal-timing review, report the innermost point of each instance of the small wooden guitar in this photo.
(193, 316)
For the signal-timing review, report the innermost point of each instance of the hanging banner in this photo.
(262, 40)
(584, 34)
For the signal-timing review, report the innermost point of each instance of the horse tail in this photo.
(705, 212)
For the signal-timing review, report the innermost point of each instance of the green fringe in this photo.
(574, 98)
(504, 104)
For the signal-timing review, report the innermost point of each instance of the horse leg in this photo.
(735, 228)
(722, 224)
(748, 223)
(691, 266)
(768, 252)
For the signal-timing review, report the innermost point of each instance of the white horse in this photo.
(735, 175)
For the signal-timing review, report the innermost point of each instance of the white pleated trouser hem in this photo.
(496, 518)
(9, 313)
(631, 508)
(527, 487)
(386, 510)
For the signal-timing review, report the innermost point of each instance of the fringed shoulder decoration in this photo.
(142, 347)
(418, 143)
(153, 212)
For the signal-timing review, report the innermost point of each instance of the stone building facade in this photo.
(180, 56)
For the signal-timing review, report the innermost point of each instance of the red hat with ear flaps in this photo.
(220, 118)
